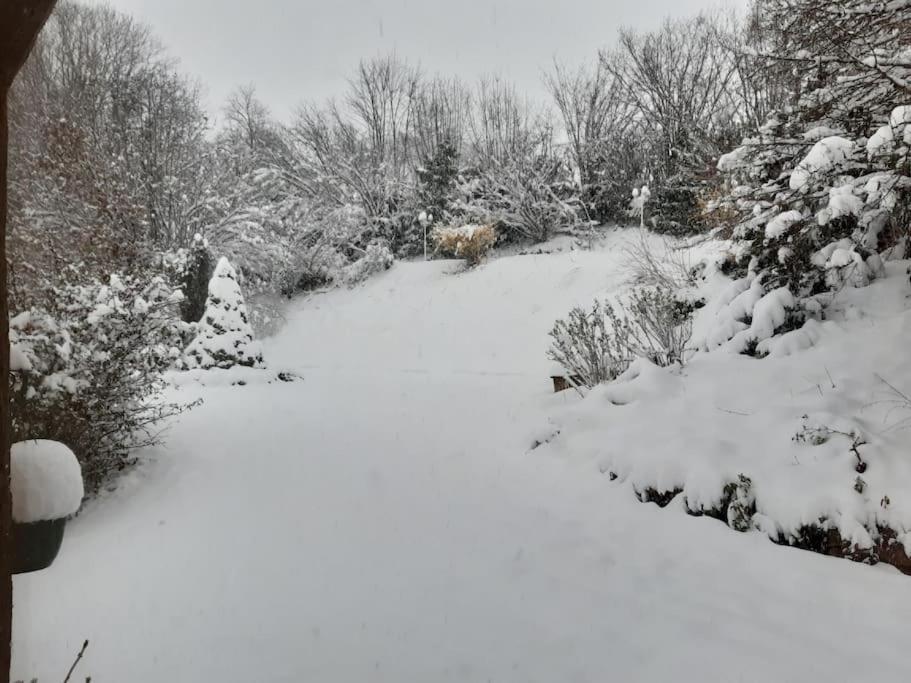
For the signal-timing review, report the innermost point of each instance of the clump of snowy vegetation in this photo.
(376, 259)
(224, 336)
(822, 188)
(470, 242)
(599, 345)
(804, 447)
(815, 202)
(87, 369)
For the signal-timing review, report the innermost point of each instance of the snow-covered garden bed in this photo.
(807, 445)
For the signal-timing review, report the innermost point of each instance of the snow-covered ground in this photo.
(384, 520)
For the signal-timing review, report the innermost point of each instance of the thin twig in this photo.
(76, 661)
(893, 388)
(734, 412)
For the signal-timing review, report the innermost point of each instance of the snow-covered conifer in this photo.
(225, 337)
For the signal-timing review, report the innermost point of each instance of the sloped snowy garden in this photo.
(386, 517)
(793, 445)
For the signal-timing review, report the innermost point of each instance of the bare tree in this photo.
(504, 125)
(441, 112)
(247, 117)
(336, 162)
(380, 98)
(593, 112)
(762, 86)
(139, 122)
(679, 80)
(859, 48)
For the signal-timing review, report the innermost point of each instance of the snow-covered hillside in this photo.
(385, 518)
(813, 438)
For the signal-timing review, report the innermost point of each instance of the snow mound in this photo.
(733, 160)
(225, 377)
(842, 202)
(781, 223)
(45, 480)
(897, 131)
(769, 313)
(829, 154)
(814, 427)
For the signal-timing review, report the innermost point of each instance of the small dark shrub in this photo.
(194, 280)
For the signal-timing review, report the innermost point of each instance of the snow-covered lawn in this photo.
(384, 520)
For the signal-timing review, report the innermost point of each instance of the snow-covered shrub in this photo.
(821, 220)
(329, 241)
(224, 337)
(597, 346)
(655, 324)
(87, 369)
(376, 259)
(585, 348)
(526, 199)
(470, 242)
(824, 185)
(314, 266)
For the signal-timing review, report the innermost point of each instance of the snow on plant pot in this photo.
(46, 486)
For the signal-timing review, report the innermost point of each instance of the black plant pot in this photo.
(36, 544)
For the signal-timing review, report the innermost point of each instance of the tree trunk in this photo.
(20, 22)
(6, 503)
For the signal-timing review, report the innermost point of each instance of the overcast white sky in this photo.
(297, 50)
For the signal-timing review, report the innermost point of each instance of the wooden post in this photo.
(20, 22)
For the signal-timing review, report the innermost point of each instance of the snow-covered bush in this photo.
(314, 266)
(527, 199)
(470, 242)
(376, 259)
(224, 337)
(87, 369)
(824, 185)
(827, 200)
(327, 244)
(654, 323)
(598, 346)
(585, 347)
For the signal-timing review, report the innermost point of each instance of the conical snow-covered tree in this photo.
(225, 336)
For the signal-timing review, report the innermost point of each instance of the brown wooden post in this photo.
(20, 22)
(6, 503)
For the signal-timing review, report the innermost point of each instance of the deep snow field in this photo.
(385, 518)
